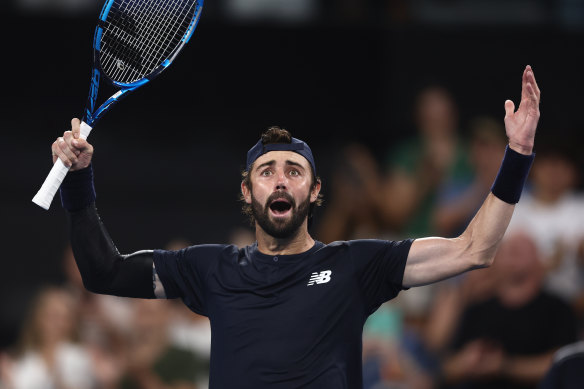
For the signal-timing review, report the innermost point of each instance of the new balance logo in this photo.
(320, 278)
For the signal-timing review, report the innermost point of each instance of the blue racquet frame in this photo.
(91, 115)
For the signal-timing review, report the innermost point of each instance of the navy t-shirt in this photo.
(286, 321)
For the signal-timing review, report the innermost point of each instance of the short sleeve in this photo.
(183, 273)
(379, 266)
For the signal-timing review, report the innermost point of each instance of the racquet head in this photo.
(134, 41)
(137, 39)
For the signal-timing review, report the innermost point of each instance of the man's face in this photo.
(281, 192)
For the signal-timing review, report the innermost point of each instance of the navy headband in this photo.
(297, 146)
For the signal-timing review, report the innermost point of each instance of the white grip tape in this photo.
(45, 195)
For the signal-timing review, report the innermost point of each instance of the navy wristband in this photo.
(77, 190)
(512, 176)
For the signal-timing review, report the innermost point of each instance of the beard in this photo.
(280, 229)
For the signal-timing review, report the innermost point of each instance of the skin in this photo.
(279, 171)
(430, 259)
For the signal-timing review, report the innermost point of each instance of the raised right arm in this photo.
(103, 269)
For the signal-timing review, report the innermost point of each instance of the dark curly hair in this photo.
(276, 134)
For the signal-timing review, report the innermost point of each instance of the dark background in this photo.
(168, 158)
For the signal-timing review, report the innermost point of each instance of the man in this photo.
(287, 311)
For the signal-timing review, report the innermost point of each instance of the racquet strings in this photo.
(138, 35)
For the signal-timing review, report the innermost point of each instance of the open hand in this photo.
(520, 125)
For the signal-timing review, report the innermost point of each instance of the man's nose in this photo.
(281, 181)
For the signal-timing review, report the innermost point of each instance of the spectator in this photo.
(353, 212)
(47, 356)
(102, 321)
(389, 361)
(552, 213)
(508, 341)
(189, 330)
(459, 201)
(417, 171)
(153, 362)
(419, 167)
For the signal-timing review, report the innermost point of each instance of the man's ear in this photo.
(315, 191)
(245, 192)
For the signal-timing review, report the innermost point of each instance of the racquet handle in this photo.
(45, 195)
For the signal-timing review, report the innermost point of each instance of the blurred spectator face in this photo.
(518, 270)
(436, 113)
(53, 317)
(553, 174)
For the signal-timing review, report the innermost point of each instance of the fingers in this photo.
(61, 150)
(76, 127)
(531, 79)
(532, 95)
(529, 88)
(76, 144)
(68, 148)
(524, 80)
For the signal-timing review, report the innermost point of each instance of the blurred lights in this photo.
(276, 10)
(63, 7)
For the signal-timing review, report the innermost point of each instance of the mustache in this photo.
(281, 195)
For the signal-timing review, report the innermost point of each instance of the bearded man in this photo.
(288, 311)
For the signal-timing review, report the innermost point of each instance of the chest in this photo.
(276, 299)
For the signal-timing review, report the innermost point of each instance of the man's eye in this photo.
(266, 173)
(294, 173)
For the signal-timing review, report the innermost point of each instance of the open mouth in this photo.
(280, 207)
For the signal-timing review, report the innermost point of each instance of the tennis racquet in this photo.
(134, 41)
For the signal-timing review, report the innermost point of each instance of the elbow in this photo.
(485, 257)
(478, 257)
(485, 261)
(480, 246)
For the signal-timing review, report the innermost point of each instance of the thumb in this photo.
(509, 108)
(75, 128)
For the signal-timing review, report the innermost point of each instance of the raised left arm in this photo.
(434, 259)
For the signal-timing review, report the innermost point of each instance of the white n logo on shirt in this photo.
(320, 278)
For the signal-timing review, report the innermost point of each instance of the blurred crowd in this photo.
(499, 327)
(74, 339)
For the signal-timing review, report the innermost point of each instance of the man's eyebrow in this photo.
(272, 162)
(269, 163)
(288, 162)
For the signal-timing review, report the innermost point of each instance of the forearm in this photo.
(480, 240)
(485, 232)
(434, 259)
(103, 269)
